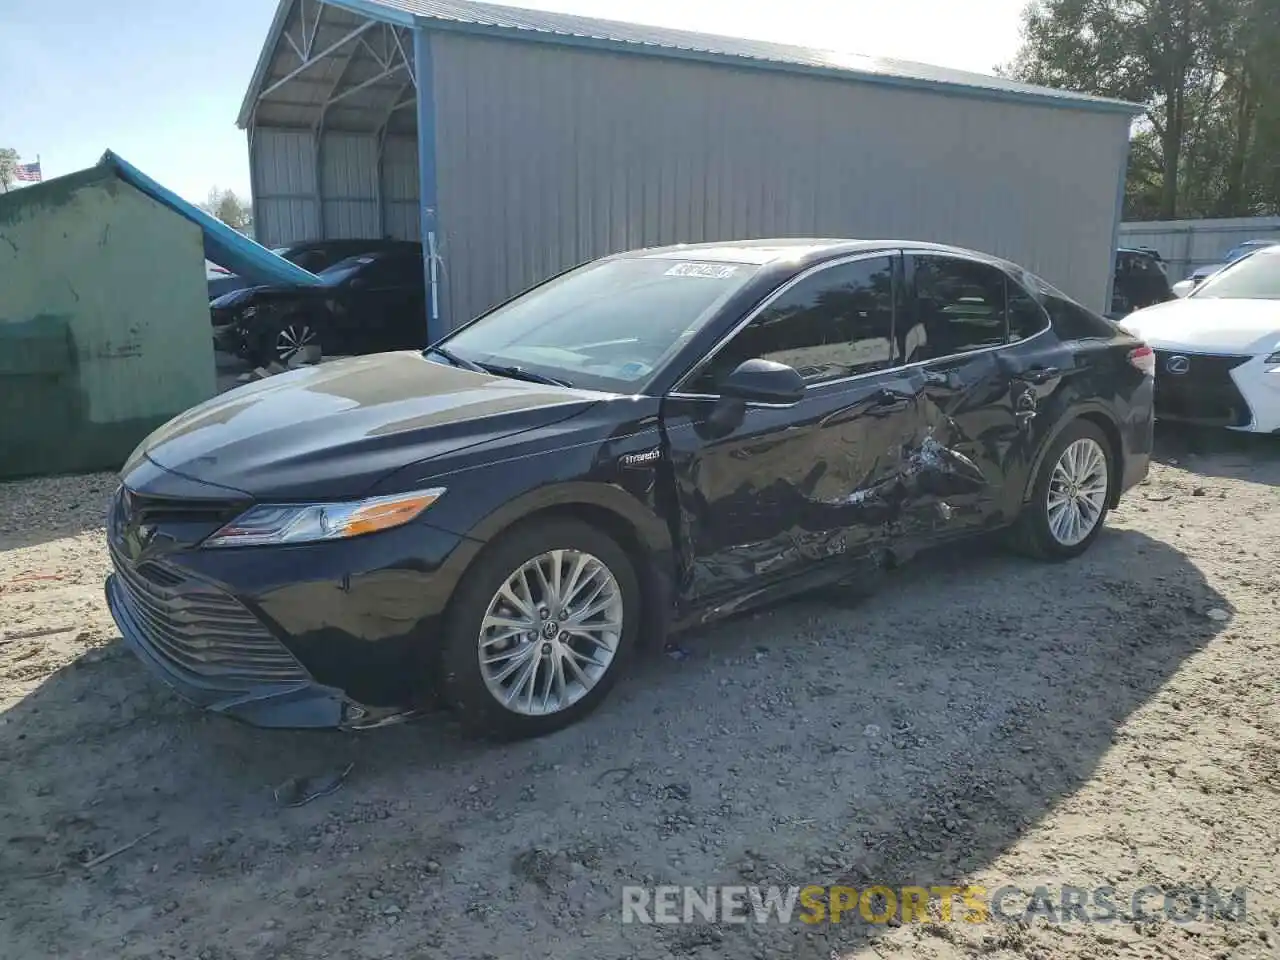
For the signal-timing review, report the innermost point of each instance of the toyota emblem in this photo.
(1178, 366)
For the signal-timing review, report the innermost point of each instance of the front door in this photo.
(780, 492)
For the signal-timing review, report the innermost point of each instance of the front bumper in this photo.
(336, 634)
(205, 648)
(1235, 391)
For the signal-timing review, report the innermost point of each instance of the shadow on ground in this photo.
(909, 739)
(1219, 452)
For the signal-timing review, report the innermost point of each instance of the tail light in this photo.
(1144, 359)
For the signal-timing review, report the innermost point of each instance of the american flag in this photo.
(30, 172)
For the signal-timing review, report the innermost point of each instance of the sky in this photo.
(160, 81)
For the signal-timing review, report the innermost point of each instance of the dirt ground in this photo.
(1111, 721)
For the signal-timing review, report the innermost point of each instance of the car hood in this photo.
(332, 431)
(1209, 325)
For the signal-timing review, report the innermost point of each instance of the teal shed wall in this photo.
(104, 323)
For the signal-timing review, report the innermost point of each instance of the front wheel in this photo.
(540, 629)
(284, 339)
(1069, 502)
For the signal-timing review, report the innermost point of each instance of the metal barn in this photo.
(518, 143)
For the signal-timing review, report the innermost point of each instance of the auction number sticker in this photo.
(706, 271)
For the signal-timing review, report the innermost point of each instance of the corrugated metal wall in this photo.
(551, 155)
(1187, 244)
(292, 203)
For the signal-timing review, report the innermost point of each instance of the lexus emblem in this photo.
(1178, 365)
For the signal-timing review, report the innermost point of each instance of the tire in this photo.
(293, 328)
(1035, 534)
(473, 689)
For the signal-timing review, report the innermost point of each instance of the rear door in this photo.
(801, 489)
(968, 341)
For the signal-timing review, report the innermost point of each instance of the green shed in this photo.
(104, 322)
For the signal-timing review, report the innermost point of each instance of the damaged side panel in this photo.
(855, 469)
(966, 437)
(797, 491)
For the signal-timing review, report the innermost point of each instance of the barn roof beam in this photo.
(328, 51)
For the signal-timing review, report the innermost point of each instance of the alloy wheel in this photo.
(550, 633)
(1077, 491)
(293, 338)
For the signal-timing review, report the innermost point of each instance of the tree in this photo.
(1207, 73)
(229, 208)
(8, 167)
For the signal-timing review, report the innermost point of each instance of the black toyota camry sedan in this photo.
(648, 441)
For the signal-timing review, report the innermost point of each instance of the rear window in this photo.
(1071, 321)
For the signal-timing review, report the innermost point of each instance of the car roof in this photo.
(803, 251)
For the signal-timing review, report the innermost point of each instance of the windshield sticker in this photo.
(705, 271)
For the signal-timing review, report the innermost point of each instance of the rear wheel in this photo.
(1069, 502)
(540, 629)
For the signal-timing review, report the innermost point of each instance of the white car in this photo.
(1218, 349)
(1200, 274)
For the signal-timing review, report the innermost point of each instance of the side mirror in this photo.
(763, 381)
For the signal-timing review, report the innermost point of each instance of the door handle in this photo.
(889, 400)
(1039, 375)
(939, 378)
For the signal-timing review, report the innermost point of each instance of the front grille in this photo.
(200, 631)
(1205, 393)
(141, 509)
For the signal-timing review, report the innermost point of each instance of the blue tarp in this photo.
(222, 245)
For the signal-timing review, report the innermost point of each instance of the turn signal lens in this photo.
(310, 522)
(384, 514)
(1144, 359)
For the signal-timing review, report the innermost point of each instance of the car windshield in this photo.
(1244, 249)
(610, 324)
(344, 270)
(1256, 277)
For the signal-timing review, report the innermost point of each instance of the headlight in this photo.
(1274, 358)
(309, 522)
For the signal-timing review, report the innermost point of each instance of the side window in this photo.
(836, 323)
(960, 305)
(1026, 316)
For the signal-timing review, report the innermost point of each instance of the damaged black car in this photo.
(652, 440)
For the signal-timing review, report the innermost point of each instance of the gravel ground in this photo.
(978, 719)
